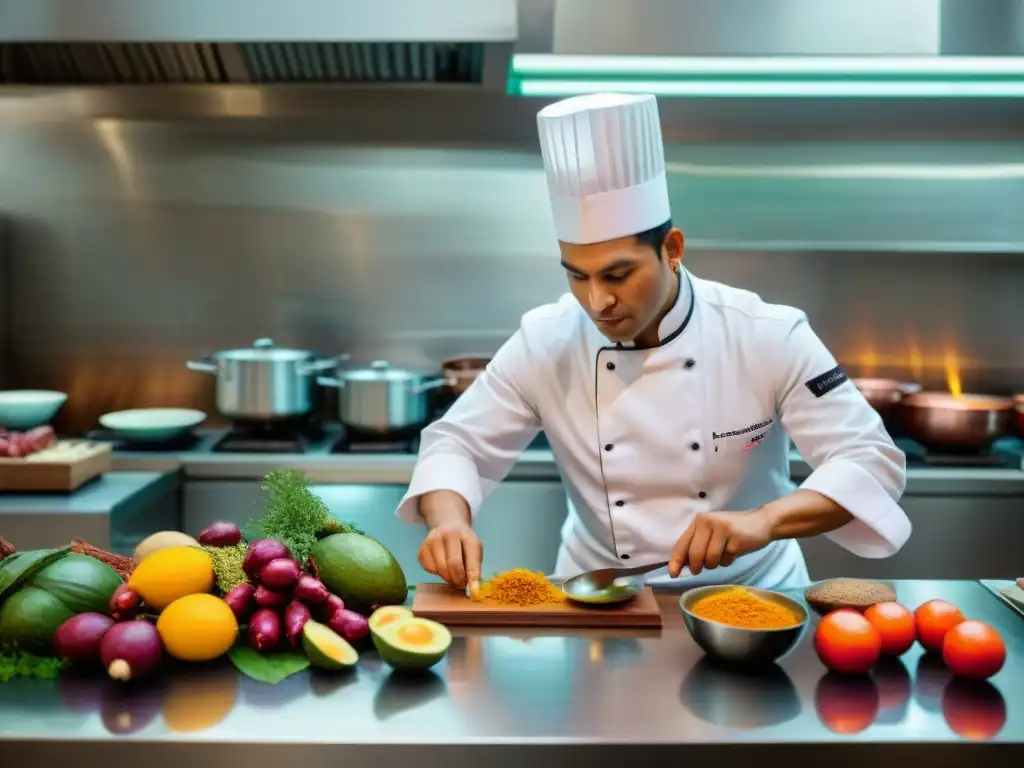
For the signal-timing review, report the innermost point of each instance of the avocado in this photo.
(359, 570)
(325, 648)
(387, 615)
(412, 643)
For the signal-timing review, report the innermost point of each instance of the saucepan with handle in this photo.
(264, 382)
(381, 399)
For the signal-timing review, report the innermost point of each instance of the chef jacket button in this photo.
(608, 447)
(702, 494)
(694, 446)
(610, 366)
(624, 557)
(619, 503)
(690, 362)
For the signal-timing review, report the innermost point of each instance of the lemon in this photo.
(197, 628)
(171, 573)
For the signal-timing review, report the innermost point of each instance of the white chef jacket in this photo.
(646, 438)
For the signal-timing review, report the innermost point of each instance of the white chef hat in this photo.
(605, 166)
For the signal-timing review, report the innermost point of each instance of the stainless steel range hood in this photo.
(772, 27)
(248, 42)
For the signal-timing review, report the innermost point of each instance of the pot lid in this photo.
(381, 370)
(264, 350)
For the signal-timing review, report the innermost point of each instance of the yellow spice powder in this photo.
(520, 588)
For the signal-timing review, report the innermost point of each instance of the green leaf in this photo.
(22, 565)
(269, 668)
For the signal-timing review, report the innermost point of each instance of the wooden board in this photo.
(449, 606)
(63, 467)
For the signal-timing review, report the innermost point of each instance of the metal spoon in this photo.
(608, 585)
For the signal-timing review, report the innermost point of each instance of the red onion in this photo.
(260, 553)
(279, 573)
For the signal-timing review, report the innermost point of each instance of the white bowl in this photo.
(152, 424)
(27, 408)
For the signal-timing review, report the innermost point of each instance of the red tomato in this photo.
(934, 619)
(973, 649)
(846, 642)
(896, 626)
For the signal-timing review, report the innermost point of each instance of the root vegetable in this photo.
(125, 603)
(268, 598)
(131, 649)
(350, 625)
(331, 606)
(78, 639)
(241, 601)
(279, 573)
(220, 534)
(260, 553)
(295, 617)
(264, 630)
(310, 590)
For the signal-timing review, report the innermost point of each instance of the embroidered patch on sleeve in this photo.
(826, 382)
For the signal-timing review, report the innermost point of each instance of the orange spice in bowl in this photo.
(743, 609)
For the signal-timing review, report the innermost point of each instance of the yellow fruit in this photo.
(197, 628)
(171, 573)
(159, 541)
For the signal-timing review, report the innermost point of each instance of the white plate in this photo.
(152, 424)
(26, 408)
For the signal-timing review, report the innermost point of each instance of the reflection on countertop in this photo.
(500, 688)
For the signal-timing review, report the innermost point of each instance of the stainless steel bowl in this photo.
(737, 645)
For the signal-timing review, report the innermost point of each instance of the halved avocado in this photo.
(325, 648)
(412, 643)
(387, 615)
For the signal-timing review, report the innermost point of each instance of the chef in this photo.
(668, 400)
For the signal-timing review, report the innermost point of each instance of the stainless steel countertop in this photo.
(396, 468)
(98, 497)
(501, 691)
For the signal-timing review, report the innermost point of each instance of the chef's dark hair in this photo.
(655, 236)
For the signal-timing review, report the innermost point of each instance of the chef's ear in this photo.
(672, 248)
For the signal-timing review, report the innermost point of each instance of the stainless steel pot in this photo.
(264, 382)
(380, 399)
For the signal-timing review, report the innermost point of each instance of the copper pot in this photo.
(1018, 404)
(941, 421)
(885, 394)
(462, 371)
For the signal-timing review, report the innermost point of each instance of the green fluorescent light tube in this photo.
(775, 88)
(529, 65)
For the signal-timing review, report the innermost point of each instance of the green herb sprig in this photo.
(295, 515)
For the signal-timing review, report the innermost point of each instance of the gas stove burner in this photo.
(270, 437)
(183, 442)
(998, 456)
(399, 442)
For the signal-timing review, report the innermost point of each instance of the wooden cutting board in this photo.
(64, 467)
(449, 606)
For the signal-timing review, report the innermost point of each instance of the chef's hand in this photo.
(454, 552)
(717, 538)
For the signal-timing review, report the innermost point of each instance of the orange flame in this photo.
(953, 375)
(916, 363)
